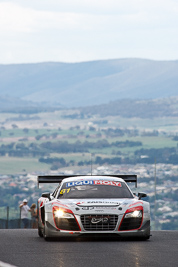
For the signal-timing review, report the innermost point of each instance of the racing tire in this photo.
(40, 232)
(46, 238)
(147, 235)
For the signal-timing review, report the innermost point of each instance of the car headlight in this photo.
(134, 214)
(62, 213)
(132, 219)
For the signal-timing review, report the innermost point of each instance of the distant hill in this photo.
(17, 105)
(89, 83)
(165, 107)
(140, 108)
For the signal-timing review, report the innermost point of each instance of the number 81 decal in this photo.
(63, 191)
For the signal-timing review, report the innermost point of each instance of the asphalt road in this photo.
(23, 248)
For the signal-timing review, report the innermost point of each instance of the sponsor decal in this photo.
(103, 202)
(79, 183)
(96, 220)
(110, 208)
(87, 208)
(98, 204)
(100, 182)
(99, 220)
(98, 208)
(94, 182)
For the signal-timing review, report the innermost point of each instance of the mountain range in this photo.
(87, 83)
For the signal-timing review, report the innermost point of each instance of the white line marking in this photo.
(3, 264)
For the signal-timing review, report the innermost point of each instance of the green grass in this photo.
(158, 142)
(31, 132)
(159, 123)
(147, 141)
(9, 165)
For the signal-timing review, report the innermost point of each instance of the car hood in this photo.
(79, 206)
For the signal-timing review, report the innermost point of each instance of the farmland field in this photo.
(25, 131)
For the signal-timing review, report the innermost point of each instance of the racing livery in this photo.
(98, 204)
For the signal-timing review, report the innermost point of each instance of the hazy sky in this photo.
(84, 30)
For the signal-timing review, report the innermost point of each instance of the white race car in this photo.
(98, 204)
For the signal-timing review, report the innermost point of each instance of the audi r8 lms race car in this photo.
(91, 205)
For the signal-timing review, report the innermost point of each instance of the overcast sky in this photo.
(85, 30)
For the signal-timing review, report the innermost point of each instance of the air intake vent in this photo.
(130, 224)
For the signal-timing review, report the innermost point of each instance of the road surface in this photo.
(23, 248)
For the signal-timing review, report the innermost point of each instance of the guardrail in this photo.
(10, 218)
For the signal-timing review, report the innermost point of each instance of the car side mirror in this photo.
(141, 195)
(46, 195)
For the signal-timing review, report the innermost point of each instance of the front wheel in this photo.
(46, 238)
(147, 235)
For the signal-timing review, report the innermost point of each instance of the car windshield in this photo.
(94, 189)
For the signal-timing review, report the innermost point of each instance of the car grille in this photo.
(130, 224)
(99, 222)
